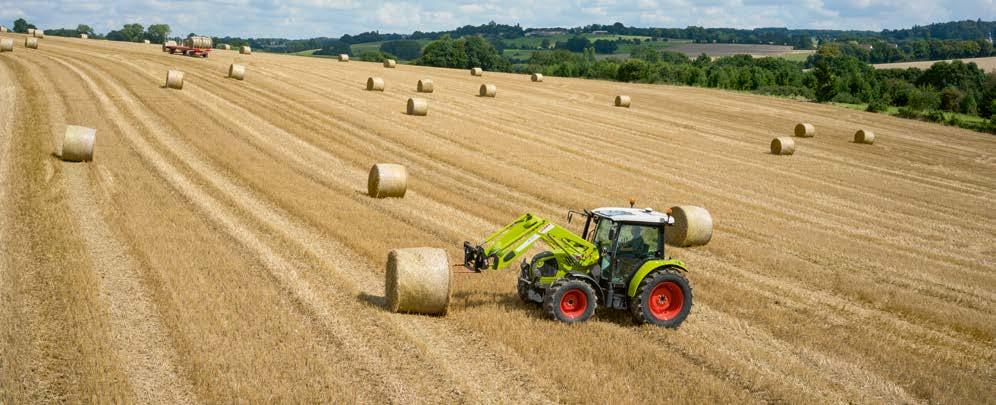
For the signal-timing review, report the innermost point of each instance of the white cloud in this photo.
(312, 18)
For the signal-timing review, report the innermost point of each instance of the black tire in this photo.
(663, 299)
(570, 301)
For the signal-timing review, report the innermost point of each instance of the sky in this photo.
(333, 18)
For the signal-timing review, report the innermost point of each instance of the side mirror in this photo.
(612, 234)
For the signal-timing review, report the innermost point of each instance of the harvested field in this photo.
(235, 256)
(693, 50)
(986, 64)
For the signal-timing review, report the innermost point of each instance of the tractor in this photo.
(617, 262)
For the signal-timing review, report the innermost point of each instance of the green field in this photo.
(375, 46)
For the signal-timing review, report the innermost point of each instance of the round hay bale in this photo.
(168, 43)
(343, 57)
(237, 71)
(3, 29)
(31, 43)
(488, 90)
(375, 84)
(77, 145)
(390, 63)
(537, 77)
(38, 34)
(147, 42)
(198, 42)
(387, 180)
(425, 86)
(418, 106)
(6, 45)
(692, 226)
(174, 79)
(85, 36)
(804, 130)
(226, 47)
(782, 146)
(245, 50)
(31, 31)
(477, 72)
(864, 136)
(418, 281)
(623, 101)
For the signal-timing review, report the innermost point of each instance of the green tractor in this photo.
(618, 262)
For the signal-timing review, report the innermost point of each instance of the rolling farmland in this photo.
(986, 64)
(221, 246)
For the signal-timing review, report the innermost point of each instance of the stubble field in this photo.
(222, 247)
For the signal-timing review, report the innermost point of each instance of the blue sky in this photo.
(312, 18)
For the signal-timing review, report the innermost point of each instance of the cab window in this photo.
(638, 241)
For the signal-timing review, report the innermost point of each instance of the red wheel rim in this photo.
(573, 303)
(666, 300)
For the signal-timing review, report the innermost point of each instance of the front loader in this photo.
(617, 262)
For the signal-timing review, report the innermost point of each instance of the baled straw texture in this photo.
(6, 45)
(537, 77)
(38, 34)
(390, 63)
(31, 43)
(237, 71)
(198, 42)
(3, 29)
(226, 47)
(864, 136)
(77, 144)
(245, 50)
(488, 90)
(418, 281)
(623, 101)
(168, 43)
(476, 72)
(375, 84)
(85, 36)
(692, 226)
(804, 130)
(387, 180)
(174, 79)
(343, 57)
(418, 106)
(425, 86)
(782, 146)
(147, 42)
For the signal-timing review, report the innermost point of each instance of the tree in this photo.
(157, 33)
(21, 26)
(335, 48)
(645, 53)
(480, 53)
(545, 44)
(444, 52)
(403, 49)
(826, 83)
(575, 44)
(605, 46)
(84, 29)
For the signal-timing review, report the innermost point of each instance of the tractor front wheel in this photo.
(663, 299)
(570, 301)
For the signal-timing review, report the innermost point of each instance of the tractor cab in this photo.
(626, 238)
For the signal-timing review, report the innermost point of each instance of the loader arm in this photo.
(510, 242)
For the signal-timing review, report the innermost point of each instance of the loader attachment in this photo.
(504, 246)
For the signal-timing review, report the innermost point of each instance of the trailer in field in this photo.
(193, 46)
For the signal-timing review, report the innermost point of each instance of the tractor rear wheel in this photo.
(663, 299)
(570, 301)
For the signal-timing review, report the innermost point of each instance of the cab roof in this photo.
(640, 215)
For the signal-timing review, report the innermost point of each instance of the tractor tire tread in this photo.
(637, 305)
